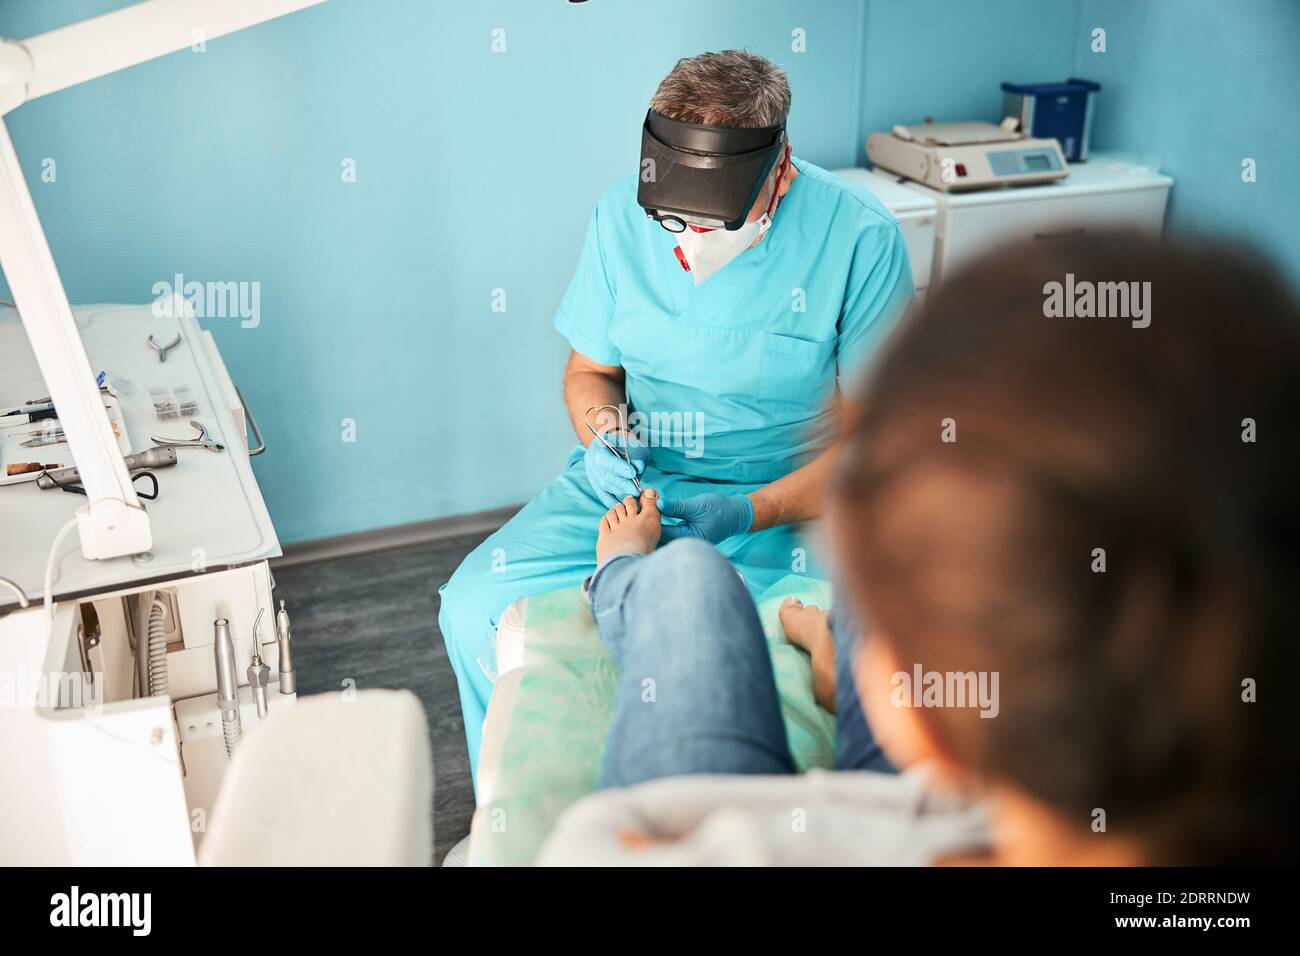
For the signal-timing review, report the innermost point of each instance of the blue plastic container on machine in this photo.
(1062, 111)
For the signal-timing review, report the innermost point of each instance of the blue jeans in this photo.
(697, 694)
(552, 544)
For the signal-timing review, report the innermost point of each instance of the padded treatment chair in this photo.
(546, 722)
(329, 782)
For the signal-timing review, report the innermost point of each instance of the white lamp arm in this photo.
(112, 523)
(114, 41)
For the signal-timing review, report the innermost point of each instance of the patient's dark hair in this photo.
(1120, 689)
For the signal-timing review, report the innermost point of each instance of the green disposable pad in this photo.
(564, 695)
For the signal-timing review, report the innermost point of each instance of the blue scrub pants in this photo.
(681, 618)
(551, 544)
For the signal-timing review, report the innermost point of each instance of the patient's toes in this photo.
(789, 612)
(792, 616)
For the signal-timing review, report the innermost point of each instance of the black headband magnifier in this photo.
(707, 176)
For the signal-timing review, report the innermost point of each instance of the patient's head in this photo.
(1107, 518)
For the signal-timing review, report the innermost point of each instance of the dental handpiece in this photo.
(160, 456)
(259, 675)
(223, 649)
(288, 682)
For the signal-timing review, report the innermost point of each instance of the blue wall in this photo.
(477, 171)
(1202, 84)
(945, 59)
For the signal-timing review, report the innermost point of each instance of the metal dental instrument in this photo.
(28, 409)
(201, 440)
(162, 350)
(259, 675)
(41, 414)
(159, 456)
(622, 426)
(35, 412)
(223, 649)
(44, 438)
(288, 681)
(50, 435)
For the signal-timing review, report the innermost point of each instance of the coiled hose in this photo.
(158, 648)
(231, 730)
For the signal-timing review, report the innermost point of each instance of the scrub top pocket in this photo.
(795, 375)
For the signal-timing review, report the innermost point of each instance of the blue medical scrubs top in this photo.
(730, 379)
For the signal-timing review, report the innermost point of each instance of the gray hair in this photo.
(731, 88)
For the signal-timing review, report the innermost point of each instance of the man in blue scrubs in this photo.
(720, 294)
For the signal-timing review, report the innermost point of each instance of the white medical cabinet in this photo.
(91, 772)
(1109, 191)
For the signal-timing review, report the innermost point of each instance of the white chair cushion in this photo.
(329, 782)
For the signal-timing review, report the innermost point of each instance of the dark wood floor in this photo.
(374, 618)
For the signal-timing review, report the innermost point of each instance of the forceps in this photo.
(201, 440)
(586, 417)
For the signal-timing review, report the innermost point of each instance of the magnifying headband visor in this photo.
(704, 175)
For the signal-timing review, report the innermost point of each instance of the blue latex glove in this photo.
(712, 517)
(610, 475)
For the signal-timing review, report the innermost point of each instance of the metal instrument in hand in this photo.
(201, 440)
(600, 437)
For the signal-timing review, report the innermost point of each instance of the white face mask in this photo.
(707, 252)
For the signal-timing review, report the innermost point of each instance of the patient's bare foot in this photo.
(809, 627)
(625, 530)
(805, 625)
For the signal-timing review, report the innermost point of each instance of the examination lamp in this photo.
(112, 522)
(708, 176)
